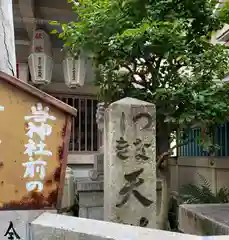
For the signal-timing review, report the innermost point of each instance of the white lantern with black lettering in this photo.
(74, 70)
(40, 59)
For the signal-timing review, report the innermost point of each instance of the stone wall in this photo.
(90, 198)
(186, 170)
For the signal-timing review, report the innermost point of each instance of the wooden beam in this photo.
(37, 93)
(22, 42)
(29, 20)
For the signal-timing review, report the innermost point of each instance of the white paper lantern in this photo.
(40, 60)
(41, 67)
(74, 71)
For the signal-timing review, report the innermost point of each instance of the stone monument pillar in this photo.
(130, 163)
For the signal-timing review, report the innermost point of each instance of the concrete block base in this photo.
(53, 226)
(204, 219)
(20, 220)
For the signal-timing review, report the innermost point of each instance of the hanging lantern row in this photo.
(41, 63)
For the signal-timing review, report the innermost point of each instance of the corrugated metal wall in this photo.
(194, 150)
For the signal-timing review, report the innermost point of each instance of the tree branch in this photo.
(173, 68)
(162, 157)
(158, 63)
(129, 69)
(141, 75)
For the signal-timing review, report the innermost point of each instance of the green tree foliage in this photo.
(202, 193)
(159, 51)
(156, 50)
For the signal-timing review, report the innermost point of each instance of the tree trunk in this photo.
(8, 56)
(163, 173)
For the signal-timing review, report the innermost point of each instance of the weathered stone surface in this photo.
(69, 189)
(99, 163)
(91, 205)
(96, 213)
(54, 226)
(204, 219)
(85, 185)
(97, 172)
(91, 199)
(20, 220)
(133, 121)
(83, 212)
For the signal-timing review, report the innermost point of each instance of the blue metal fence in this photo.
(193, 149)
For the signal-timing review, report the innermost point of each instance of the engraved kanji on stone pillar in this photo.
(130, 163)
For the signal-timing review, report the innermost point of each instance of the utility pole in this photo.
(7, 41)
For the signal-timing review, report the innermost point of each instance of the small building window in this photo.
(84, 137)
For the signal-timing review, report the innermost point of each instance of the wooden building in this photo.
(31, 15)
